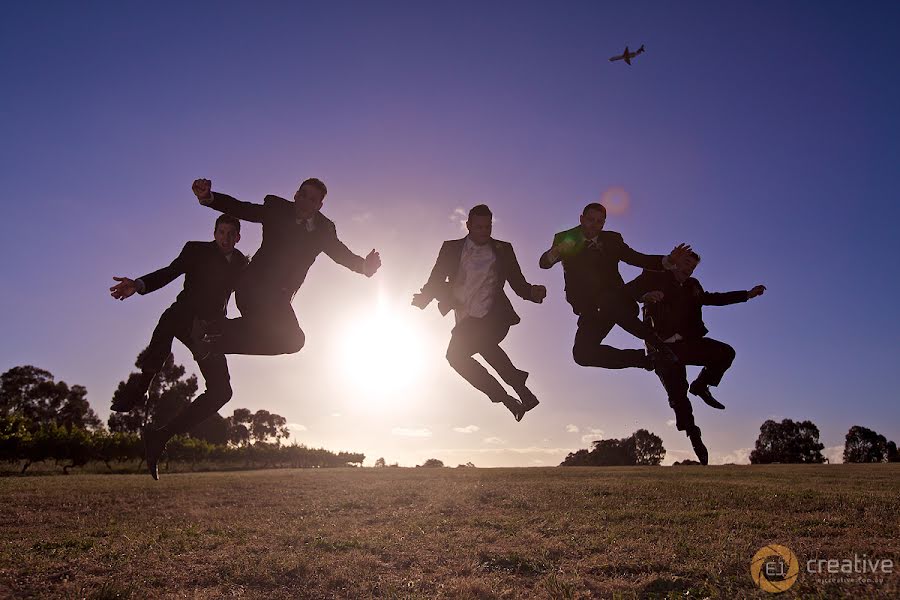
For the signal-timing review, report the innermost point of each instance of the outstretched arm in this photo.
(726, 298)
(162, 277)
(653, 262)
(245, 211)
(342, 255)
(517, 281)
(126, 287)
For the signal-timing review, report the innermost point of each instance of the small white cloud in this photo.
(493, 440)
(834, 454)
(572, 428)
(739, 456)
(460, 216)
(411, 432)
(595, 434)
(362, 217)
(466, 429)
(296, 427)
(537, 461)
(335, 415)
(670, 423)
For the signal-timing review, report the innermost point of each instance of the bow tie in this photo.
(594, 245)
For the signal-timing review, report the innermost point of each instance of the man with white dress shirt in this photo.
(468, 277)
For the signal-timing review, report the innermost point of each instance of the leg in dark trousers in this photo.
(267, 325)
(595, 325)
(174, 322)
(217, 393)
(674, 381)
(476, 336)
(714, 356)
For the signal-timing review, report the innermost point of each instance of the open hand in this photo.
(125, 288)
(201, 189)
(651, 297)
(678, 253)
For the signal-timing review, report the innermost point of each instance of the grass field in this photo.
(456, 533)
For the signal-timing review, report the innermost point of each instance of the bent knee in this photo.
(581, 356)
(295, 342)
(728, 352)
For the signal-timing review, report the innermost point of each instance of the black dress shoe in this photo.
(529, 400)
(702, 391)
(515, 407)
(154, 445)
(697, 443)
(134, 393)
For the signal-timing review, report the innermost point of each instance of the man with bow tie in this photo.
(469, 277)
(596, 291)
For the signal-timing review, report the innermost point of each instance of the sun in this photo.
(382, 353)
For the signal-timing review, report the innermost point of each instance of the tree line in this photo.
(794, 442)
(42, 420)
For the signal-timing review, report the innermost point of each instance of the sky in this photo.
(764, 134)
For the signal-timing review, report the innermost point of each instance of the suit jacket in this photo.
(681, 309)
(288, 249)
(209, 278)
(446, 270)
(590, 273)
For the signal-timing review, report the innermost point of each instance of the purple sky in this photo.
(765, 134)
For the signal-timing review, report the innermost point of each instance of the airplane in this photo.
(627, 56)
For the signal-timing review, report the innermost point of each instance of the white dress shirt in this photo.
(476, 281)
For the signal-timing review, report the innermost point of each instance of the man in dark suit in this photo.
(210, 271)
(294, 234)
(469, 277)
(673, 305)
(594, 288)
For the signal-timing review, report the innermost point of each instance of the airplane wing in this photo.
(627, 59)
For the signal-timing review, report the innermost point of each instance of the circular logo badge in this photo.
(773, 575)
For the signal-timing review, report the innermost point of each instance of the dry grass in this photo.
(451, 533)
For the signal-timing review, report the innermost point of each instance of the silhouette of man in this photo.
(294, 234)
(210, 271)
(468, 277)
(596, 291)
(673, 306)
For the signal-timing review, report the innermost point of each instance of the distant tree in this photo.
(685, 462)
(863, 445)
(646, 448)
(892, 455)
(788, 442)
(379, 463)
(579, 458)
(33, 394)
(640, 448)
(432, 463)
(170, 392)
(239, 427)
(265, 425)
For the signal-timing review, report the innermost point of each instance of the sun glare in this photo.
(381, 353)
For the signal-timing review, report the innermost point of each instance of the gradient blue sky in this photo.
(766, 134)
